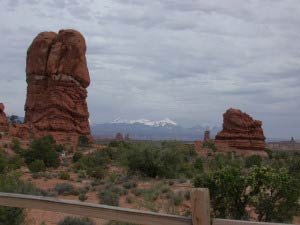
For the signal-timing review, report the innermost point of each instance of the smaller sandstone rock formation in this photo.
(3, 119)
(206, 136)
(241, 131)
(119, 137)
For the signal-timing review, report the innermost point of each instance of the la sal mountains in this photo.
(144, 129)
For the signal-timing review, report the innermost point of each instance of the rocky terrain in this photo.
(3, 119)
(241, 131)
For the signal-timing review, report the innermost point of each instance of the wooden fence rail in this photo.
(200, 209)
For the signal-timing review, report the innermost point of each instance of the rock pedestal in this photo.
(206, 136)
(57, 78)
(3, 119)
(241, 131)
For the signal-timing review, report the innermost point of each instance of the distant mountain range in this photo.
(144, 129)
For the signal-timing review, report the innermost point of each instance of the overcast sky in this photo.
(188, 60)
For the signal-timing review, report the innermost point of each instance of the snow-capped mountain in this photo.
(144, 129)
(146, 122)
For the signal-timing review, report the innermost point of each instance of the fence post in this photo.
(200, 206)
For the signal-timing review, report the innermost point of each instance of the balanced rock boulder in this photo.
(3, 119)
(57, 78)
(241, 131)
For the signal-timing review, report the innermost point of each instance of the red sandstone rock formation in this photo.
(241, 131)
(20, 130)
(119, 137)
(3, 119)
(57, 78)
(206, 135)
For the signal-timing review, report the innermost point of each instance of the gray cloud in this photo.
(187, 60)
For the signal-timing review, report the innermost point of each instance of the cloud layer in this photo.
(187, 60)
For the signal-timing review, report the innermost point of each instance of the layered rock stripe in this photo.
(57, 78)
(241, 131)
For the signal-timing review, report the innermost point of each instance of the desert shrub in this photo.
(108, 197)
(253, 160)
(137, 191)
(210, 145)
(3, 162)
(37, 166)
(64, 189)
(175, 198)
(15, 162)
(76, 221)
(220, 161)
(10, 182)
(44, 149)
(64, 175)
(151, 160)
(82, 197)
(94, 163)
(198, 165)
(16, 145)
(96, 172)
(129, 184)
(269, 152)
(270, 191)
(77, 156)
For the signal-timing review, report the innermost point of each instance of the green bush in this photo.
(110, 195)
(15, 162)
(198, 165)
(272, 192)
(151, 160)
(16, 145)
(64, 189)
(76, 221)
(129, 184)
(77, 156)
(44, 149)
(37, 166)
(210, 145)
(82, 197)
(64, 175)
(3, 162)
(253, 160)
(10, 182)
(96, 172)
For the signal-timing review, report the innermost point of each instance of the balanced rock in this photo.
(3, 119)
(241, 131)
(57, 78)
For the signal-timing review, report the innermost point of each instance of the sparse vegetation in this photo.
(76, 221)
(44, 149)
(37, 166)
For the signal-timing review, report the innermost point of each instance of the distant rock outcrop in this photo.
(57, 78)
(241, 131)
(206, 135)
(3, 119)
(119, 137)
